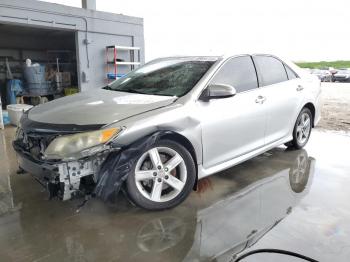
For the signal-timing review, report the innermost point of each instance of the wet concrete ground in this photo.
(291, 200)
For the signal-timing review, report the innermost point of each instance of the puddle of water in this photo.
(294, 200)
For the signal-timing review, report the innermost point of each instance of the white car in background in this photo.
(322, 74)
(343, 75)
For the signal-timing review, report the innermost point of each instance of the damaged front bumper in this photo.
(101, 173)
(64, 179)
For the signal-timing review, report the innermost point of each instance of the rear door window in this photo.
(270, 70)
(238, 72)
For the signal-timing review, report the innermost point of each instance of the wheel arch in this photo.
(182, 140)
(312, 108)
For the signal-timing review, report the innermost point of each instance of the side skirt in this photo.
(202, 172)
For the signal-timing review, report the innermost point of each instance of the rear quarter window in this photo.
(290, 73)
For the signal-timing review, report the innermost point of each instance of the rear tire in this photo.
(302, 130)
(163, 176)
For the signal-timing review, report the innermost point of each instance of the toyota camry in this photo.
(162, 127)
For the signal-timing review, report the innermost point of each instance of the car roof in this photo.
(213, 57)
(223, 57)
(204, 58)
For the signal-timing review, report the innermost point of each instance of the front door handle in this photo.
(260, 99)
(300, 87)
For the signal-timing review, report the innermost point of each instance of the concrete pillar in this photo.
(89, 4)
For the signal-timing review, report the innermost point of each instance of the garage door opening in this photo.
(36, 64)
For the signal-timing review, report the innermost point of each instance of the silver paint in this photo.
(223, 132)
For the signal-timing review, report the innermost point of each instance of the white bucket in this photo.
(16, 111)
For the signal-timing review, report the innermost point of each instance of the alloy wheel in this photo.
(160, 174)
(303, 128)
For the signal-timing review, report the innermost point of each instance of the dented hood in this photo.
(96, 107)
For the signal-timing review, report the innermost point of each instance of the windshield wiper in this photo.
(135, 91)
(127, 91)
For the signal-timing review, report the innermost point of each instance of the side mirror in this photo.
(214, 91)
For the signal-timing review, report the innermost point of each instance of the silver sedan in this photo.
(167, 124)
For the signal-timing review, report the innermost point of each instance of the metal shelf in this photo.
(124, 47)
(133, 54)
(124, 63)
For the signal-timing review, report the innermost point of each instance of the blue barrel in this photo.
(34, 74)
(13, 88)
(35, 82)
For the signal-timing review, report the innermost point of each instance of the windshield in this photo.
(173, 77)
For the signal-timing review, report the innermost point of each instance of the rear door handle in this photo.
(300, 87)
(260, 99)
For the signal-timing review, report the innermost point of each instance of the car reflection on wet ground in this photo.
(291, 200)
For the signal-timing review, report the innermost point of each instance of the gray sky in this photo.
(301, 30)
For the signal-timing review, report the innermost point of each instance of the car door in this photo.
(235, 125)
(282, 90)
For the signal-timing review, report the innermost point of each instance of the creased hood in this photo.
(96, 107)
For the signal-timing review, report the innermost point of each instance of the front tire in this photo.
(163, 176)
(302, 129)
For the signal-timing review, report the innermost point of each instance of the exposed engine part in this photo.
(70, 174)
(64, 179)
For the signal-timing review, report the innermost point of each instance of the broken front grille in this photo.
(33, 143)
